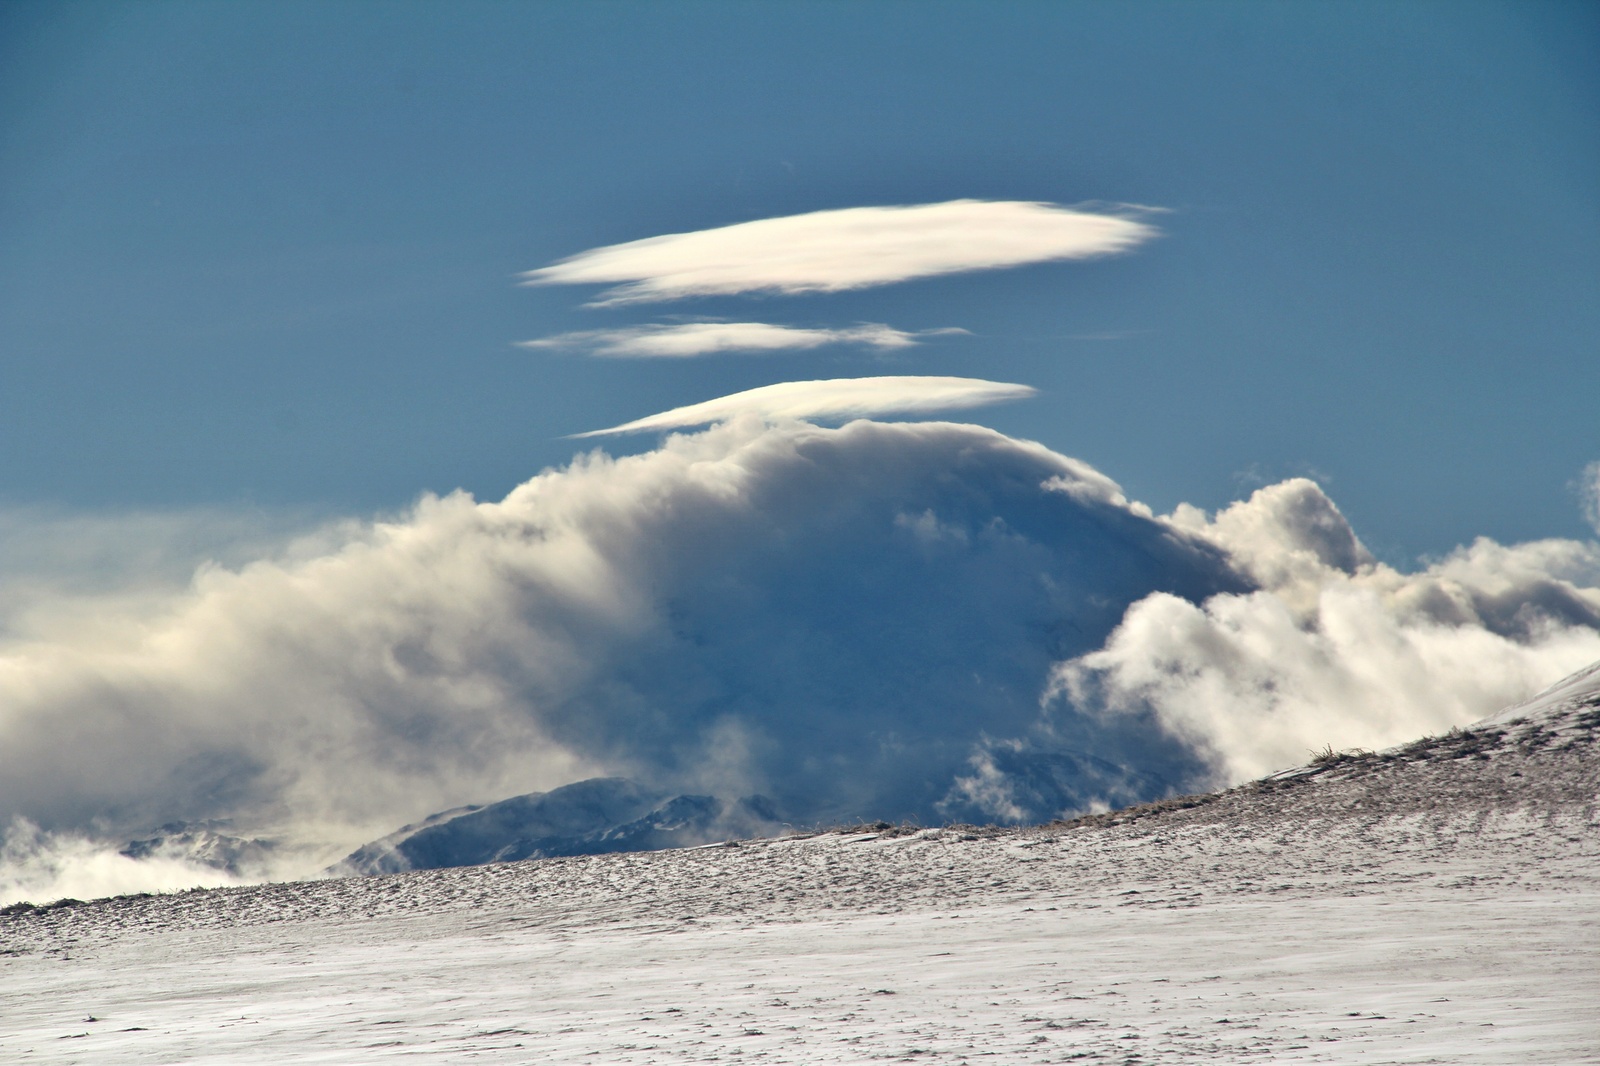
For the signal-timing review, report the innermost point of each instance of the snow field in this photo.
(1406, 939)
(1338, 981)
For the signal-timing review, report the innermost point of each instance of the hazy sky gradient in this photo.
(269, 253)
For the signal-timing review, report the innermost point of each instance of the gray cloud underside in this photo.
(922, 620)
(833, 399)
(688, 340)
(851, 248)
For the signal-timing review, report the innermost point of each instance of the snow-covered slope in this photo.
(1432, 903)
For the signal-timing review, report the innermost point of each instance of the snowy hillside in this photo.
(1434, 902)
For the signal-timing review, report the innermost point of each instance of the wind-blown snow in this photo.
(928, 621)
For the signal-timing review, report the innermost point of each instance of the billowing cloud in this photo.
(921, 620)
(1334, 648)
(826, 616)
(689, 339)
(833, 398)
(851, 248)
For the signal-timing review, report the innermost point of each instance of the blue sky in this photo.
(268, 254)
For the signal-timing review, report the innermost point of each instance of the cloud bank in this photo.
(833, 398)
(1333, 647)
(687, 340)
(851, 248)
(820, 615)
(923, 620)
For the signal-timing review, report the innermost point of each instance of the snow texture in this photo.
(1431, 903)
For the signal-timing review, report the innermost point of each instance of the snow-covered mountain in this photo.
(593, 817)
(605, 815)
(608, 815)
(203, 844)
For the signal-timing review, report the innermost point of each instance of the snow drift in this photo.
(901, 621)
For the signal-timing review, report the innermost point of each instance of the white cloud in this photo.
(834, 398)
(852, 248)
(682, 341)
(774, 585)
(858, 622)
(1335, 648)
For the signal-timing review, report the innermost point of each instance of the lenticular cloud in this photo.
(690, 339)
(851, 248)
(834, 398)
(929, 621)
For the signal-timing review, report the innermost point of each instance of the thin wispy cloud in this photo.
(851, 248)
(690, 339)
(833, 399)
(1588, 486)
